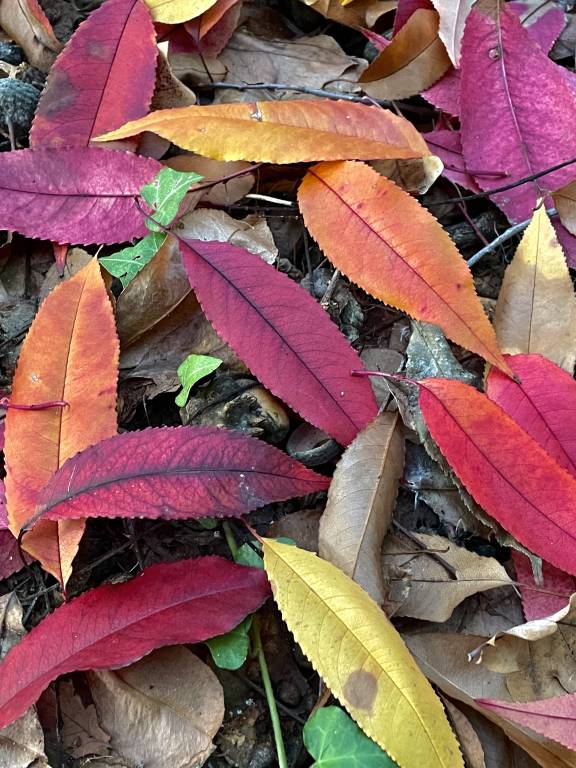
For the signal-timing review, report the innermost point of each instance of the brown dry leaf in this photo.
(80, 731)
(25, 22)
(169, 92)
(301, 526)
(164, 710)
(440, 581)
(497, 748)
(415, 174)
(415, 59)
(22, 743)
(565, 201)
(361, 13)
(536, 284)
(317, 62)
(361, 503)
(385, 361)
(76, 259)
(225, 193)
(470, 744)
(191, 69)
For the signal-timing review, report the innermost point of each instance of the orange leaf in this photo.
(387, 243)
(296, 131)
(70, 354)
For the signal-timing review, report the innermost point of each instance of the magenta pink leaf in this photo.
(109, 627)
(406, 8)
(447, 145)
(542, 402)
(103, 78)
(513, 122)
(541, 600)
(554, 718)
(282, 335)
(175, 472)
(10, 557)
(78, 195)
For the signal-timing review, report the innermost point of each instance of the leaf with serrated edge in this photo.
(362, 658)
(389, 245)
(177, 11)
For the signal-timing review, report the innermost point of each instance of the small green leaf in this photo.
(246, 555)
(165, 193)
(129, 261)
(229, 651)
(194, 368)
(334, 739)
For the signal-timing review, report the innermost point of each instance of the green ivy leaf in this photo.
(334, 739)
(194, 368)
(246, 555)
(165, 193)
(126, 264)
(229, 651)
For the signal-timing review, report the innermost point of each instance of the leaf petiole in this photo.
(5, 403)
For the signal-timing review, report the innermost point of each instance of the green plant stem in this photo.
(230, 540)
(273, 709)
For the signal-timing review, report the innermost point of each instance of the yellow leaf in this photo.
(536, 309)
(177, 11)
(362, 658)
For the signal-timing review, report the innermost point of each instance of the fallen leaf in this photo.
(295, 131)
(359, 13)
(10, 558)
(361, 502)
(126, 264)
(405, 9)
(439, 581)
(535, 284)
(415, 59)
(447, 144)
(113, 52)
(175, 472)
(238, 291)
(213, 29)
(359, 654)
(453, 17)
(428, 355)
(81, 733)
(78, 320)
(517, 493)
(412, 175)
(468, 740)
(26, 22)
(381, 250)
(511, 123)
(77, 195)
(540, 600)
(170, 688)
(169, 91)
(194, 368)
(542, 401)
(177, 11)
(114, 625)
(224, 193)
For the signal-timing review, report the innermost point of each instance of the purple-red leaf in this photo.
(104, 77)
(447, 145)
(180, 472)
(282, 335)
(78, 195)
(10, 557)
(112, 626)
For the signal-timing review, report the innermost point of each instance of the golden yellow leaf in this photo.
(177, 11)
(536, 309)
(297, 131)
(362, 658)
(361, 502)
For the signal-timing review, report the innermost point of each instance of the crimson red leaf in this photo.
(541, 600)
(78, 195)
(104, 77)
(506, 471)
(447, 145)
(10, 558)
(183, 602)
(282, 335)
(180, 472)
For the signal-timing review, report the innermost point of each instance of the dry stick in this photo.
(320, 92)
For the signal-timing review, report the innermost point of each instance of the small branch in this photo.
(507, 235)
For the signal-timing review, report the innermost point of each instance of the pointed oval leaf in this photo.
(283, 131)
(536, 308)
(362, 658)
(77, 195)
(74, 328)
(395, 250)
(114, 625)
(175, 472)
(361, 503)
(415, 59)
(513, 123)
(177, 11)
(113, 52)
(453, 15)
(504, 469)
(542, 401)
(282, 335)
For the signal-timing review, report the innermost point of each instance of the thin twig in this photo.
(320, 92)
(507, 235)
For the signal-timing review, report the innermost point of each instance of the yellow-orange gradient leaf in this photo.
(393, 248)
(362, 658)
(296, 131)
(70, 354)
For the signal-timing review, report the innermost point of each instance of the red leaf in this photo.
(282, 335)
(104, 77)
(447, 145)
(10, 558)
(554, 718)
(78, 195)
(543, 403)
(183, 602)
(180, 472)
(541, 600)
(406, 8)
(506, 471)
(512, 122)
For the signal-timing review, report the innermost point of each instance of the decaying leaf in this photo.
(537, 282)
(361, 657)
(176, 11)
(428, 355)
(26, 22)
(361, 503)
(549, 596)
(413, 175)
